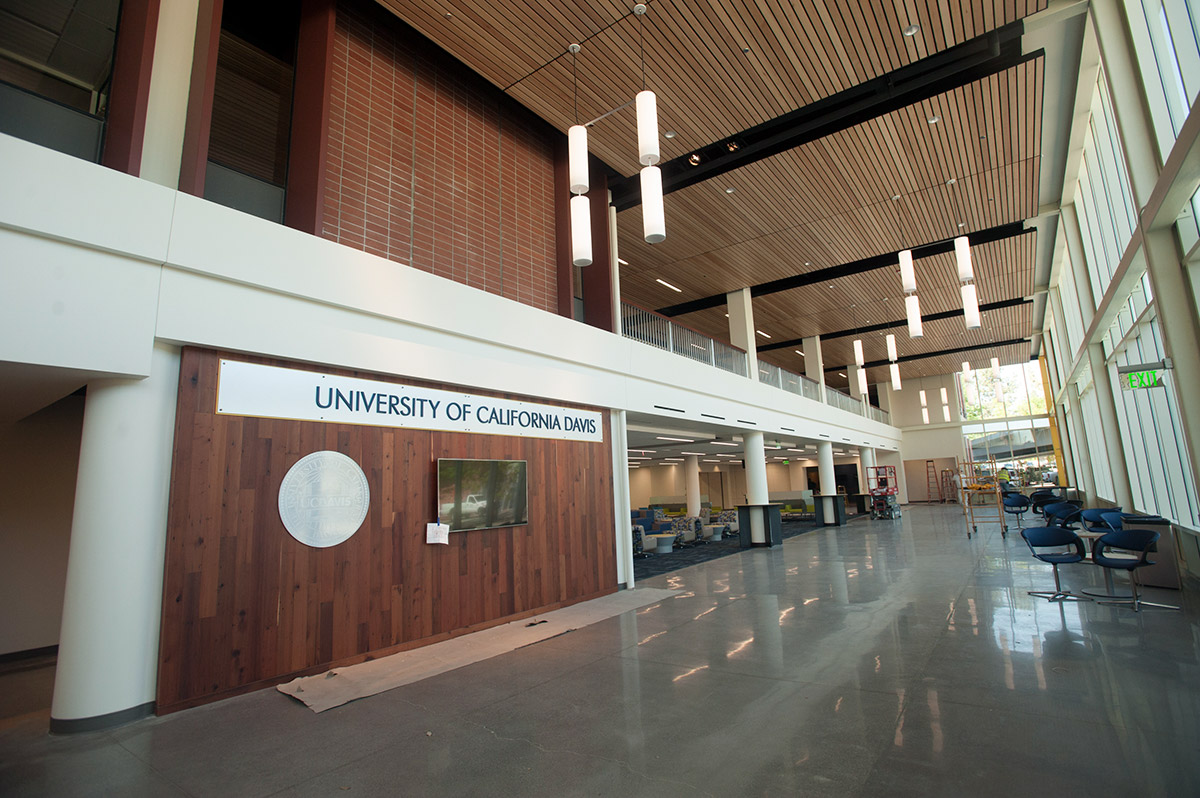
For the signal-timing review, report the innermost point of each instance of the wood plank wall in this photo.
(245, 605)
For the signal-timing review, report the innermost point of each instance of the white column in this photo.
(170, 83)
(825, 475)
(852, 372)
(1102, 381)
(614, 268)
(756, 483)
(814, 363)
(621, 501)
(691, 472)
(108, 645)
(741, 328)
(866, 456)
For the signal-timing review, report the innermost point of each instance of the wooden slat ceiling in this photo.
(721, 67)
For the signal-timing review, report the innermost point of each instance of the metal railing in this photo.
(841, 401)
(661, 332)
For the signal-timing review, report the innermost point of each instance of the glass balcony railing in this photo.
(661, 332)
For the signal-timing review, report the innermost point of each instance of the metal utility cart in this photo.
(882, 485)
(982, 500)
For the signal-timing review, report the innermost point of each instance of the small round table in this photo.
(663, 544)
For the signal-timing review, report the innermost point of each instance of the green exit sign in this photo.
(1143, 375)
(1134, 380)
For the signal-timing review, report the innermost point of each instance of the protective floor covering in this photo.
(343, 685)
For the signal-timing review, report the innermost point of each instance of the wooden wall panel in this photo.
(245, 605)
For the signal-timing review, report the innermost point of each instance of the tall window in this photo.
(1008, 406)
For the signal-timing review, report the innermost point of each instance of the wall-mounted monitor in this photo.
(482, 494)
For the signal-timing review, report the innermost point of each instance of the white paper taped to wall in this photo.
(437, 533)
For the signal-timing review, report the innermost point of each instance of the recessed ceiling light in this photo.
(840, 374)
(677, 440)
(722, 443)
(895, 196)
(798, 352)
(808, 263)
(669, 134)
(933, 120)
(732, 146)
(622, 262)
(912, 30)
(694, 158)
(951, 181)
(668, 285)
(698, 454)
(961, 225)
(673, 459)
(745, 50)
(763, 334)
(730, 190)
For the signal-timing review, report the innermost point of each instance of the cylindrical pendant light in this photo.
(891, 346)
(922, 395)
(970, 302)
(908, 274)
(895, 369)
(925, 415)
(962, 256)
(647, 127)
(858, 353)
(577, 158)
(995, 364)
(862, 381)
(912, 306)
(581, 231)
(654, 220)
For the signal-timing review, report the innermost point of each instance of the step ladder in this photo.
(949, 494)
(933, 486)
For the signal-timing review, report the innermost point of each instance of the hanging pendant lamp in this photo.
(895, 370)
(577, 176)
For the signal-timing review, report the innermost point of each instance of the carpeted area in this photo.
(655, 564)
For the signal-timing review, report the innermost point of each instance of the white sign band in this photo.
(251, 389)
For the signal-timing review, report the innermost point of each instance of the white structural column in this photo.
(866, 456)
(741, 328)
(691, 472)
(108, 646)
(621, 501)
(170, 82)
(756, 483)
(814, 363)
(1102, 383)
(614, 267)
(825, 475)
(852, 372)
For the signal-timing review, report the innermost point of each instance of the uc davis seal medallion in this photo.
(323, 499)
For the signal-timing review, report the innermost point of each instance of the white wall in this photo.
(37, 494)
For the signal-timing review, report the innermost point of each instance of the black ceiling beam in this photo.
(994, 51)
(888, 259)
(909, 358)
(887, 325)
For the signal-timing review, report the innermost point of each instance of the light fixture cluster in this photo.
(654, 227)
(966, 276)
(893, 366)
(912, 305)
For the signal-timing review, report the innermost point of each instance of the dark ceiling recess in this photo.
(886, 260)
(956, 66)
(887, 325)
(871, 364)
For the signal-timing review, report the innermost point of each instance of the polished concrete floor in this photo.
(888, 658)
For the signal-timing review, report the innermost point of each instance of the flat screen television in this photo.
(481, 494)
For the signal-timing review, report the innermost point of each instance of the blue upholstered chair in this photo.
(1093, 519)
(1136, 541)
(1016, 504)
(1068, 549)
(1064, 514)
(1040, 498)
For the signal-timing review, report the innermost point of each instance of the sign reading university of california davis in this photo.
(250, 389)
(323, 499)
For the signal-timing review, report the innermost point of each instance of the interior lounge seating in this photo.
(1138, 541)
(1065, 547)
(1016, 504)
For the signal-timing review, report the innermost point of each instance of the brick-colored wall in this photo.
(432, 167)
